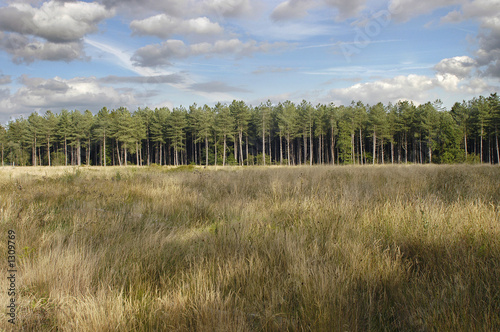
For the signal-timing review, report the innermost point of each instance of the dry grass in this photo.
(392, 248)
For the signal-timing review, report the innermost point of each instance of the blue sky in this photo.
(86, 55)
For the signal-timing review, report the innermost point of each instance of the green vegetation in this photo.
(238, 134)
(381, 248)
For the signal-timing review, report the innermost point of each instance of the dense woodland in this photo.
(238, 134)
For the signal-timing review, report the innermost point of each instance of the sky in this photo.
(135, 53)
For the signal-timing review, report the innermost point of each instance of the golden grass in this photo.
(249, 249)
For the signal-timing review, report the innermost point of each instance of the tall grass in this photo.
(249, 249)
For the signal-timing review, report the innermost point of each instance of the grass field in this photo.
(374, 248)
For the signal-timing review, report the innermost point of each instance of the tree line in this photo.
(239, 134)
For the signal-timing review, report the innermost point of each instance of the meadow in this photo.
(322, 248)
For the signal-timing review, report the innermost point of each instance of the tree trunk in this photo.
(104, 156)
(332, 147)
(125, 154)
(246, 146)
(305, 148)
(34, 153)
(149, 156)
(65, 151)
(270, 154)
(48, 148)
(353, 148)
(392, 153)
(481, 144)
(263, 143)
(241, 147)
(382, 149)
(215, 163)
(137, 153)
(206, 150)
(281, 149)
(118, 153)
(288, 148)
(465, 145)
(498, 151)
(311, 145)
(374, 146)
(224, 152)
(79, 152)
(430, 150)
(360, 146)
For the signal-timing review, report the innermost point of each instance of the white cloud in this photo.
(54, 21)
(388, 90)
(25, 49)
(163, 26)
(73, 93)
(161, 54)
(232, 8)
(460, 66)
(293, 9)
(487, 12)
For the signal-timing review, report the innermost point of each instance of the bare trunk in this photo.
(118, 153)
(481, 144)
(125, 153)
(241, 147)
(48, 148)
(206, 150)
(79, 152)
(374, 147)
(104, 143)
(288, 148)
(263, 144)
(224, 152)
(465, 145)
(332, 147)
(360, 146)
(246, 146)
(498, 151)
(281, 149)
(311, 145)
(305, 148)
(66, 150)
(392, 152)
(137, 153)
(382, 149)
(34, 152)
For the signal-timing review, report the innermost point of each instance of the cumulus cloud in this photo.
(74, 93)
(176, 8)
(55, 21)
(25, 49)
(393, 89)
(232, 8)
(163, 26)
(416, 88)
(292, 9)
(52, 32)
(460, 66)
(347, 9)
(5, 79)
(161, 54)
(487, 12)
